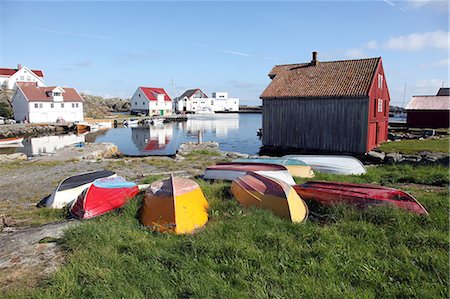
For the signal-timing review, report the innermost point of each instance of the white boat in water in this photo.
(69, 189)
(334, 164)
(131, 122)
(232, 170)
(104, 125)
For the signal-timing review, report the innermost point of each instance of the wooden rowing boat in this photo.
(255, 190)
(231, 170)
(70, 188)
(104, 195)
(8, 141)
(295, 167)
(174, 205)
(334, 164)
(359, 195)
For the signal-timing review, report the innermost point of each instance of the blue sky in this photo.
(110, 48)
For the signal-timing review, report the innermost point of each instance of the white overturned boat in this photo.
(233, 170)
(69, 189)
(334, 164)
(9, 141)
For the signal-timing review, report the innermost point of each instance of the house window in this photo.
(380, 105)
(76, 105)
(40, 105)
(22, 78)
(28, 78)
(135, 103)
(139, 95)
(143, 103)
(380, 81)
(52, 105)
(62, 105)
(73, 105)
(36, 105)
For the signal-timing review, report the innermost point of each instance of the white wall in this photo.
(20, 106)
(45, 113)
(218, 102)
(22, 75)
(139, 102)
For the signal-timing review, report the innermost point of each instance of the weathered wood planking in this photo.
(334, 124)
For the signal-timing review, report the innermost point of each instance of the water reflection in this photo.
(152, 138)
(49, 144)
(219, 124)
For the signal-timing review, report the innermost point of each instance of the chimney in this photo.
(314, 58)
(19, 66)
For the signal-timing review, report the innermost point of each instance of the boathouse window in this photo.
(380, 81)
(380, 105)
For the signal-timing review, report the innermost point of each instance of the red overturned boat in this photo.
(102, 196)
(359, 195)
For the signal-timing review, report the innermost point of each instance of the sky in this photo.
(109, 48)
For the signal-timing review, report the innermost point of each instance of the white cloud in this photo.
(439, 63)
(427, 87)
(236, 53)
(355, 53)
(372, 44)
(417, 41)
(389, 2)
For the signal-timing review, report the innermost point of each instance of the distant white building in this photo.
(151, 101)
(194, 100)
(46, 104)
(9, 77)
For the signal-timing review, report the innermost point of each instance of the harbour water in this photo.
(234, 132)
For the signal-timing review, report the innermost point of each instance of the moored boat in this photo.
(295, 167)
(131, 122)
(69, 189)
(104, 125)
(231, 170)
(359, 195)
(174, 205)
(255, 190)
(102, 196)
(13, 140)
(334, 164)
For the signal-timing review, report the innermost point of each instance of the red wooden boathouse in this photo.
(332, 106)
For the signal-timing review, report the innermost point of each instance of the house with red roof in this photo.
(9, 77)
(151, 101)
(50, 104)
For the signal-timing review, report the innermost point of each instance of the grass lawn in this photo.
(410, 147)
(376, 253)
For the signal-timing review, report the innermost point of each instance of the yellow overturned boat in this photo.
(255, 190)
(174, 205)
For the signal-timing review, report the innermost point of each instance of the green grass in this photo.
(376, 253)
(203, 153)
(410, 147)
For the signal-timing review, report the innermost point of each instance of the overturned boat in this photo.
(11, 141)
(295, 167)
(334, 164)
(358, 195)
(174, 205)
(255, 190)
(231, 170)
(102, 196)
(69, 189)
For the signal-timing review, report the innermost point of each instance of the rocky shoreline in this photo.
(25, 130)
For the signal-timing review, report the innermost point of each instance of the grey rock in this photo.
(393, 158)
(377, 157)
(236, 155)
(12, 157)
(412, 159)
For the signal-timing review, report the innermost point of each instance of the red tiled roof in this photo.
(429, 103)
(152, 93)
(33, 93)
(346, 78)
(10, 72)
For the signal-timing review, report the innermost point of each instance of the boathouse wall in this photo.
(316, 124)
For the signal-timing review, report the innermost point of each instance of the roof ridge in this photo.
(331, 61)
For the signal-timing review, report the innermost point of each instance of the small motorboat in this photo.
(295, 167)
(69, 189)
(231, 170)
(104, 125)
(103, 196)
(174, 205)
(10, 141)
(131, 122)
(334, 164)
(255, 190)
(359, 195)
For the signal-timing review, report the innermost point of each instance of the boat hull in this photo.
(174, 205)
(255, 190)
(333, 164)
(11, 141)
(358, 195)
(296, 168)
(103, 196)
(233, 170)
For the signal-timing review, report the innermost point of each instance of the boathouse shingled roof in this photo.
(152, 92)
(34, 93)
(345, 78)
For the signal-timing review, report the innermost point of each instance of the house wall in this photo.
(218, 102)
(378, 111)
(140, 103)
(45, 113)
(20, 106)
(22, 75)
(329, 124)
(428, 118)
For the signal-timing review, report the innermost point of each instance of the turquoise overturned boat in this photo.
(295, 167)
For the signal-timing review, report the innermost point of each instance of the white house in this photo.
(151, 101)
(194, 100)
(9, 77)
(46, 104)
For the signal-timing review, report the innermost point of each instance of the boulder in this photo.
(375, 156)
(188, 147)
(13, 157)
(236, 155)
(411, 159)
(393, 158)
